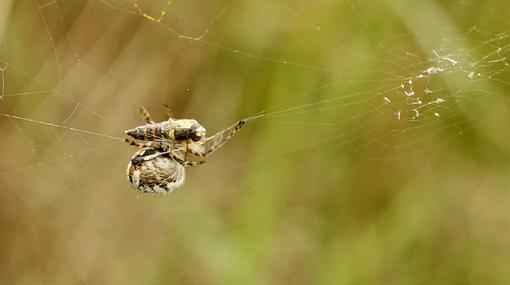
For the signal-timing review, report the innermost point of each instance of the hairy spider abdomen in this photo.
(154, 172)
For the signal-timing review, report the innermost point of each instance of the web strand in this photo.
(61, 127)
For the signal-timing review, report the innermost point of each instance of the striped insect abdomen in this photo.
(149, 132)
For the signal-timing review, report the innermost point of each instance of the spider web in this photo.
(408, 93)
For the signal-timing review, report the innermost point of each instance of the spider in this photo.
(159, 167)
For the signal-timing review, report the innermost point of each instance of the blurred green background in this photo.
(331, 187)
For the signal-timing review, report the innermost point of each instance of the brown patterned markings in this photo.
(154, 174)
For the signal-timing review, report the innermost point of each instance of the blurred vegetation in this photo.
(338, 192)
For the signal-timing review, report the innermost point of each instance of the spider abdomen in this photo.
(153, 172)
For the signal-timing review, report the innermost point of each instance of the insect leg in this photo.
(145, 115)
(152, 144)
(132, 142)
(219, 139)
(168, 111)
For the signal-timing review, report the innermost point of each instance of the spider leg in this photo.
(145, 115)
(175, 156)
(197, 149)
(192, 163)
(186, 150)
(201, 149)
